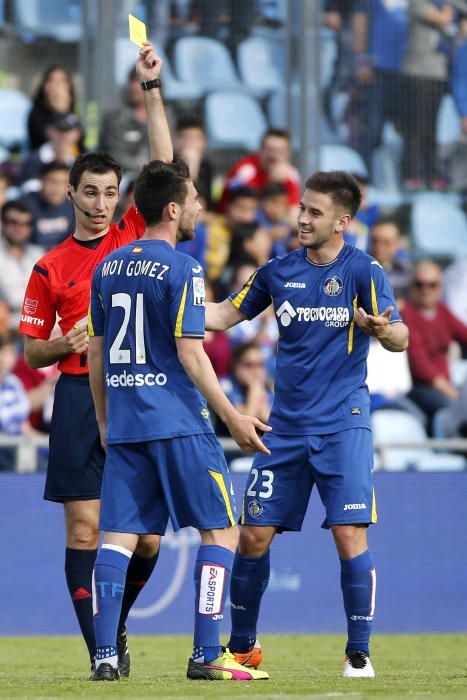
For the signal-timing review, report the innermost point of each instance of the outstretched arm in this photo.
(148, 67)
(223, 315)
(392, 336)
(198, 367)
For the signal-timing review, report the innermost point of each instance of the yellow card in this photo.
(137, 30)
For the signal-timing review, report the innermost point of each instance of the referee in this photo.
(59, 289)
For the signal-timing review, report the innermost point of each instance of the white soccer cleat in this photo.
(357, 664)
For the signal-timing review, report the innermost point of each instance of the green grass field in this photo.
(432, 666)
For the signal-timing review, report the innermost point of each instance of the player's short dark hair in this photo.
(340, 186)
(274, 131)
(96, 162)
(190, 123)
(16, 205)
(243, 192)
(157, 185)
(53, 166)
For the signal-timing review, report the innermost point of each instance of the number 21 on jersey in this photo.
(117, 354)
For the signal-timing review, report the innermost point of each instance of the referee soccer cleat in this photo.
(123, 653)
(357, 664)
(224, 668)
(252, 658)
(105, 672)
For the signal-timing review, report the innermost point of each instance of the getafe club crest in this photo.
(333, 286)
(255, 509)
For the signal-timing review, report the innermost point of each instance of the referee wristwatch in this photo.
(150, 84)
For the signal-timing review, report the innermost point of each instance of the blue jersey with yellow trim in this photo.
(321, 362)
(143, 296)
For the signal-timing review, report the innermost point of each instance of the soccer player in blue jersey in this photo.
(151, 381)
(329, 298)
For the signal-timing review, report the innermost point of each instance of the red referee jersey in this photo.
(60, 285)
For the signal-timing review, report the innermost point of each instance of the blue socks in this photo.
(109, 585)
(250, 577)
(358, 583)
(79, 565)
(212, 577)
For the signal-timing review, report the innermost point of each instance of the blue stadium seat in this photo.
(60, 19)
(126, 54)
(391, 425)
(439, 227)
(328, 55)
(337, 157)
(257, 66)
(14, 110)
(4, 154)
(233, 120)
(206, 63)
(448, 122)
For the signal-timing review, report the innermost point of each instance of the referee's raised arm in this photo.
(148, 69)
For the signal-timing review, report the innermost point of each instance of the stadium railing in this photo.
(30, 447)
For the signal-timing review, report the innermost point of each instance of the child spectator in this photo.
(272, 215)
(54, 219)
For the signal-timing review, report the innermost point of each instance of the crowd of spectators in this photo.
(404, 52)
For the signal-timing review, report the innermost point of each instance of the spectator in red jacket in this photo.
(432, 330)
(270, 164)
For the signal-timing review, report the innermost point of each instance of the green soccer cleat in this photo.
(224, 668)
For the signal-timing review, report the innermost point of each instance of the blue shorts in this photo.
(340, 464)
(186, 478)
(76, 458)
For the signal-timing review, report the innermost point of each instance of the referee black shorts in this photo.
(76, 457)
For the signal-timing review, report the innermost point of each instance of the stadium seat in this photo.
(14, 110)
(4, 154)
(448, 122)
(337, 157)
(328, 55)
(241, 464)
(60, 19)
(391, 425)
(277, 111)
(439, 227)
(233, 121)
(173, 89)
(257, 67)
(386, 161)
(205, 63)
(458, 371)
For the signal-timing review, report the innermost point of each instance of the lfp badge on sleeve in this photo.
(198, 291)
